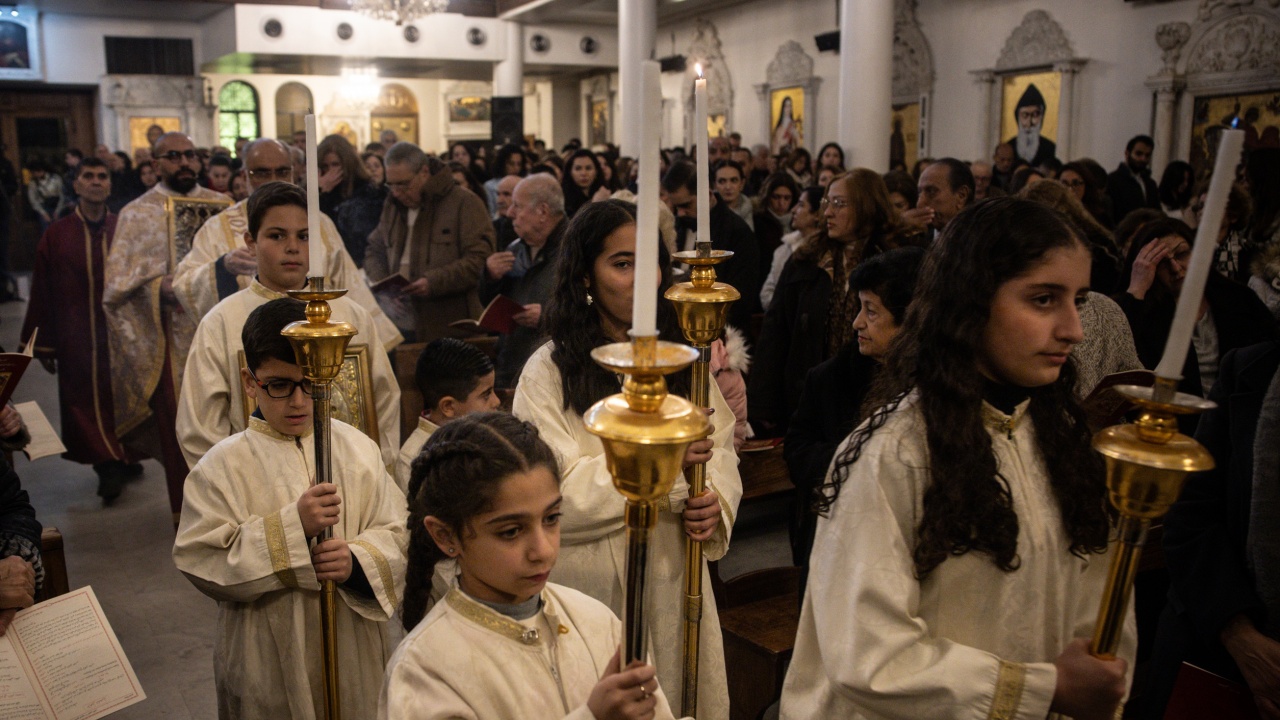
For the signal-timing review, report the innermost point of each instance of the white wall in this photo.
(75, 52)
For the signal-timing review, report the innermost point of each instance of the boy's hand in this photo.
(318, 508)
(624, 694)
(701, 516)
(332, 560)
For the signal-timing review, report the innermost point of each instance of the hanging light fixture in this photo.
(402, 11)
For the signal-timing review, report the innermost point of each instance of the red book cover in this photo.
(12, 365)
(497, 317)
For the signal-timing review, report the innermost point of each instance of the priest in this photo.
(147, 327)
(219, 264)
(66, 308)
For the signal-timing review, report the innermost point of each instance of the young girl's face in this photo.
(507, 552)
(1035, 320)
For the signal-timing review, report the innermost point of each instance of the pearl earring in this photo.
(590, 299)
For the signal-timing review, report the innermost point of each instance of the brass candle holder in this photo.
(320, 347)
(1147, 464)
(645, 432)
(702, 306)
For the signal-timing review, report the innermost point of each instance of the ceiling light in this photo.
(402, 11)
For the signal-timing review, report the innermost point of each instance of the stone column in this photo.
(1066, 106)
(637, 25)
(1166, 103)
(865, 99)
(508, 89)
(990, 113)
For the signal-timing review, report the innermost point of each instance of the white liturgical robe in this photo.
(241, 542)
(593, 536)
(211, 406)
(410, 450)
(465, 661)
(195, 280)
(969, 641)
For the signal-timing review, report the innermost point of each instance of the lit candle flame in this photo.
(698, 67)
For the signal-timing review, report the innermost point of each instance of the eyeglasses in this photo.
(280, 173)
(177, 155)
(280, 388)
(837, 203)
(1073, 183)
(399, 184)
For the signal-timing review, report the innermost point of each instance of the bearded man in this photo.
(1029, 145)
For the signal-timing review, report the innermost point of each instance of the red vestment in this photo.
(66, 305)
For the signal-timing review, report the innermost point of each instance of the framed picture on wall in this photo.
(904, 139)
(1029, 114)
(599, 122)
(470, 109)
(20, 45)
(786, 119)
(1258, 114)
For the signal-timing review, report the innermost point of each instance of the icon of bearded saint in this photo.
(1028, 144)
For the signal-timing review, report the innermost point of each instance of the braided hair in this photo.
(455, 478)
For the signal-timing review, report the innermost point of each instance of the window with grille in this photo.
(237, 113)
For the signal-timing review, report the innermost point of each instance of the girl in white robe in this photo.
(501, 642)
(591, 306)
(961, 557)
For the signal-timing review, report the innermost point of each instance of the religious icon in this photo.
(186, 216)
(904, 141)
(717, 125)
(1029, 115)
(1258, 115)
(786, 119)
(352, 397)
(20, 45)
(470, 109)
(144, 131)
(599, 122)
(15, 52)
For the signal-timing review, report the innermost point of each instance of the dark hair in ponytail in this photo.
(455, 478)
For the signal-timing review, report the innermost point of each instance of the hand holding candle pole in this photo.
(313, 185)
(1215, 207)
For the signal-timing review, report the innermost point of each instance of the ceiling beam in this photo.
(473, 8)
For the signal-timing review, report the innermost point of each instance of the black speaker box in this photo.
(508, 120)
(828, 41)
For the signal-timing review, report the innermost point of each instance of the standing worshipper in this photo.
(66, 308)
(147, 327)
(220, 264)
(435, 234)
(249, 517)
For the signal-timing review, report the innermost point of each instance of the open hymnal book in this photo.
(497, 317)
(12, 365)
(60, 660)
(44, 439)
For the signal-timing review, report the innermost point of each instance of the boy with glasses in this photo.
(250, 522)
(212, 405)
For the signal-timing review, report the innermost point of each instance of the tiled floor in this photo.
(165, 626)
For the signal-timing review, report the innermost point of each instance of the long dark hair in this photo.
(877, 225)
(574, 325)
(455, 478)
(568, 185)
(968, 505)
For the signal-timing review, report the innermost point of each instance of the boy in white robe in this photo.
(249, 514)
(210, 405)
(456, 379)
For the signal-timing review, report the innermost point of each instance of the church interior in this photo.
(908, 115)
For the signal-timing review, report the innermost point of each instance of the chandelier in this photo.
(402, 11)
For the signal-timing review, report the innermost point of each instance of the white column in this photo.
(865, 99)
(1166, 102)
(508, 74)
(637, 25)
(990, 114)
(1066, 107)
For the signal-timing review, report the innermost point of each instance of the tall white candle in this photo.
(1215, 207)
(313, 187)
(703, 155)
(644, 309)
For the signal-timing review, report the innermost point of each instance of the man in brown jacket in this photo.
(434, 233)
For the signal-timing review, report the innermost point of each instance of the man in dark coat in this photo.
(1130, 187)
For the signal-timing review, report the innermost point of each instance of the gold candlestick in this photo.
(645, 433)
(320, 347)
(702, 305)
(1147, 463)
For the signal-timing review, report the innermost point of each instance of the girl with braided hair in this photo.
(961, 553)
(489, 636)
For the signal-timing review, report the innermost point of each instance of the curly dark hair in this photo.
(968, 505)
(574, 325)
(455, 478)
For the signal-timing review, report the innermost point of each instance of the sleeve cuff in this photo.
(288, 549)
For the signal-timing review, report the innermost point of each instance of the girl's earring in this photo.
(450, 552)
(590, 299)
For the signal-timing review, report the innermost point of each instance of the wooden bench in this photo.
(764, 475)
(759, 615)
(404, 360)
(55, 565)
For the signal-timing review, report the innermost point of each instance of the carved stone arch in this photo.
(791, 67)
(1231, 47)
(705, 49)
(1037, 43)
(912, 57)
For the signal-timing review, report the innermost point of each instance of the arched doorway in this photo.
(237, 113)
(293, 102)
(396, 110)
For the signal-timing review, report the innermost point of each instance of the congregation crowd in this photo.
(924, 342)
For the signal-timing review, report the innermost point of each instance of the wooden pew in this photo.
(764, 475)
(404, 360)
(55, 565)
(759, 614)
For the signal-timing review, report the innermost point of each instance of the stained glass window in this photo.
(237, 113)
